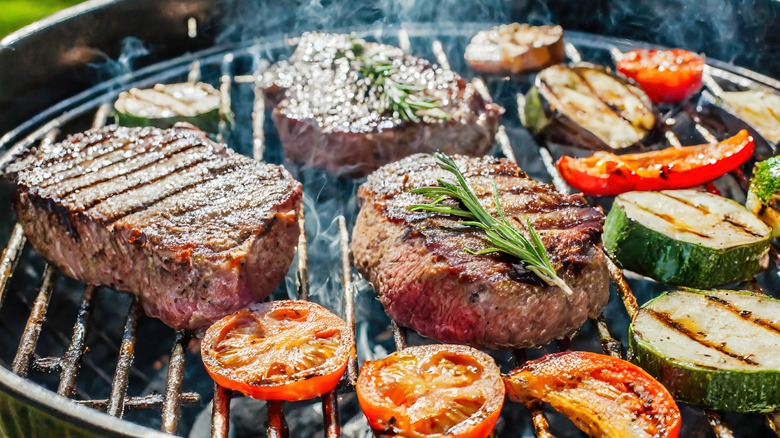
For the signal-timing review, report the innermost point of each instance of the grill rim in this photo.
(35, 396)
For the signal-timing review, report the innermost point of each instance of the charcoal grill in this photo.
(129, 375)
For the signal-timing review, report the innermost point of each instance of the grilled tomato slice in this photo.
(432, 390)
(604, 396)
(279, 350)
(667, 76)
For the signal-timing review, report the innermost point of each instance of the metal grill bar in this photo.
(330, 415)
(151, 401)
(172, 401)
(32, 330)
(399, 336)
(629, 300)
(275, 425)
(609, 345)
(72, 358)
(258, 120)
(11, 255)
(349, 294)
(440, 55)
(220, 412)
(302, 275)
(224, 96)
(116, 401)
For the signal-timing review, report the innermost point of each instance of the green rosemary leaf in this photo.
(499, 232)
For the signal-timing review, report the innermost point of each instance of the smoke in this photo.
(132, 49)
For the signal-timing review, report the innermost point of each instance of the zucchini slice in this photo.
(164, 105)
(716, 349)
(586, 106)
(763, 197)
(686, 238)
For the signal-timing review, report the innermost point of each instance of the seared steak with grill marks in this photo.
(428, 282)
(329, 114)
(193, 229)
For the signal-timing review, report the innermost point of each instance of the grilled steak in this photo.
(428, 282)
(331, 113)
(192, 229)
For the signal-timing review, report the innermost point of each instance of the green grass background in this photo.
(15, 14)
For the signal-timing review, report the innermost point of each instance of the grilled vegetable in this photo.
(604, 396)
(763, 197)
(607, 174)
(667, 76)
(686, 237)
(586, 106)
(715, 349)
(280, 350)
(432, 390)
(760, 109)
(165, 105)
(515, 48)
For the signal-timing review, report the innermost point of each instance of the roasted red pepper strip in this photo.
(604, 396)
(667, 76)
(607, 174)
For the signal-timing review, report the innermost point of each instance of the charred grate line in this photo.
(172, 401)
(72, 359)
(11, 258)
(151, 401)
(220, 412)
(32, 330)
(116, 401)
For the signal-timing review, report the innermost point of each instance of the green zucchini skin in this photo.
(208, 122)
(763, 197)
(164, 105)
(739, 391)
(650, 253)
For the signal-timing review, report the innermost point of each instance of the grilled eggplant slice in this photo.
(763, 197)
(515, 48)
(686, 237)
(585, 105)
(759, 109)
(715, 349)
(164, 105)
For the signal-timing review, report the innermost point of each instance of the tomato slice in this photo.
(667, 76)
(432, 390)
(603, 395)
(607, 174)
(279, 350)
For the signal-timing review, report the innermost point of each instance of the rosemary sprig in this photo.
(401, 98)
(502, 236)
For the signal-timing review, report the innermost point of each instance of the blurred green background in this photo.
(15, 14)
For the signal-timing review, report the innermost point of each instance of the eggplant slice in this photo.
(585, 105)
